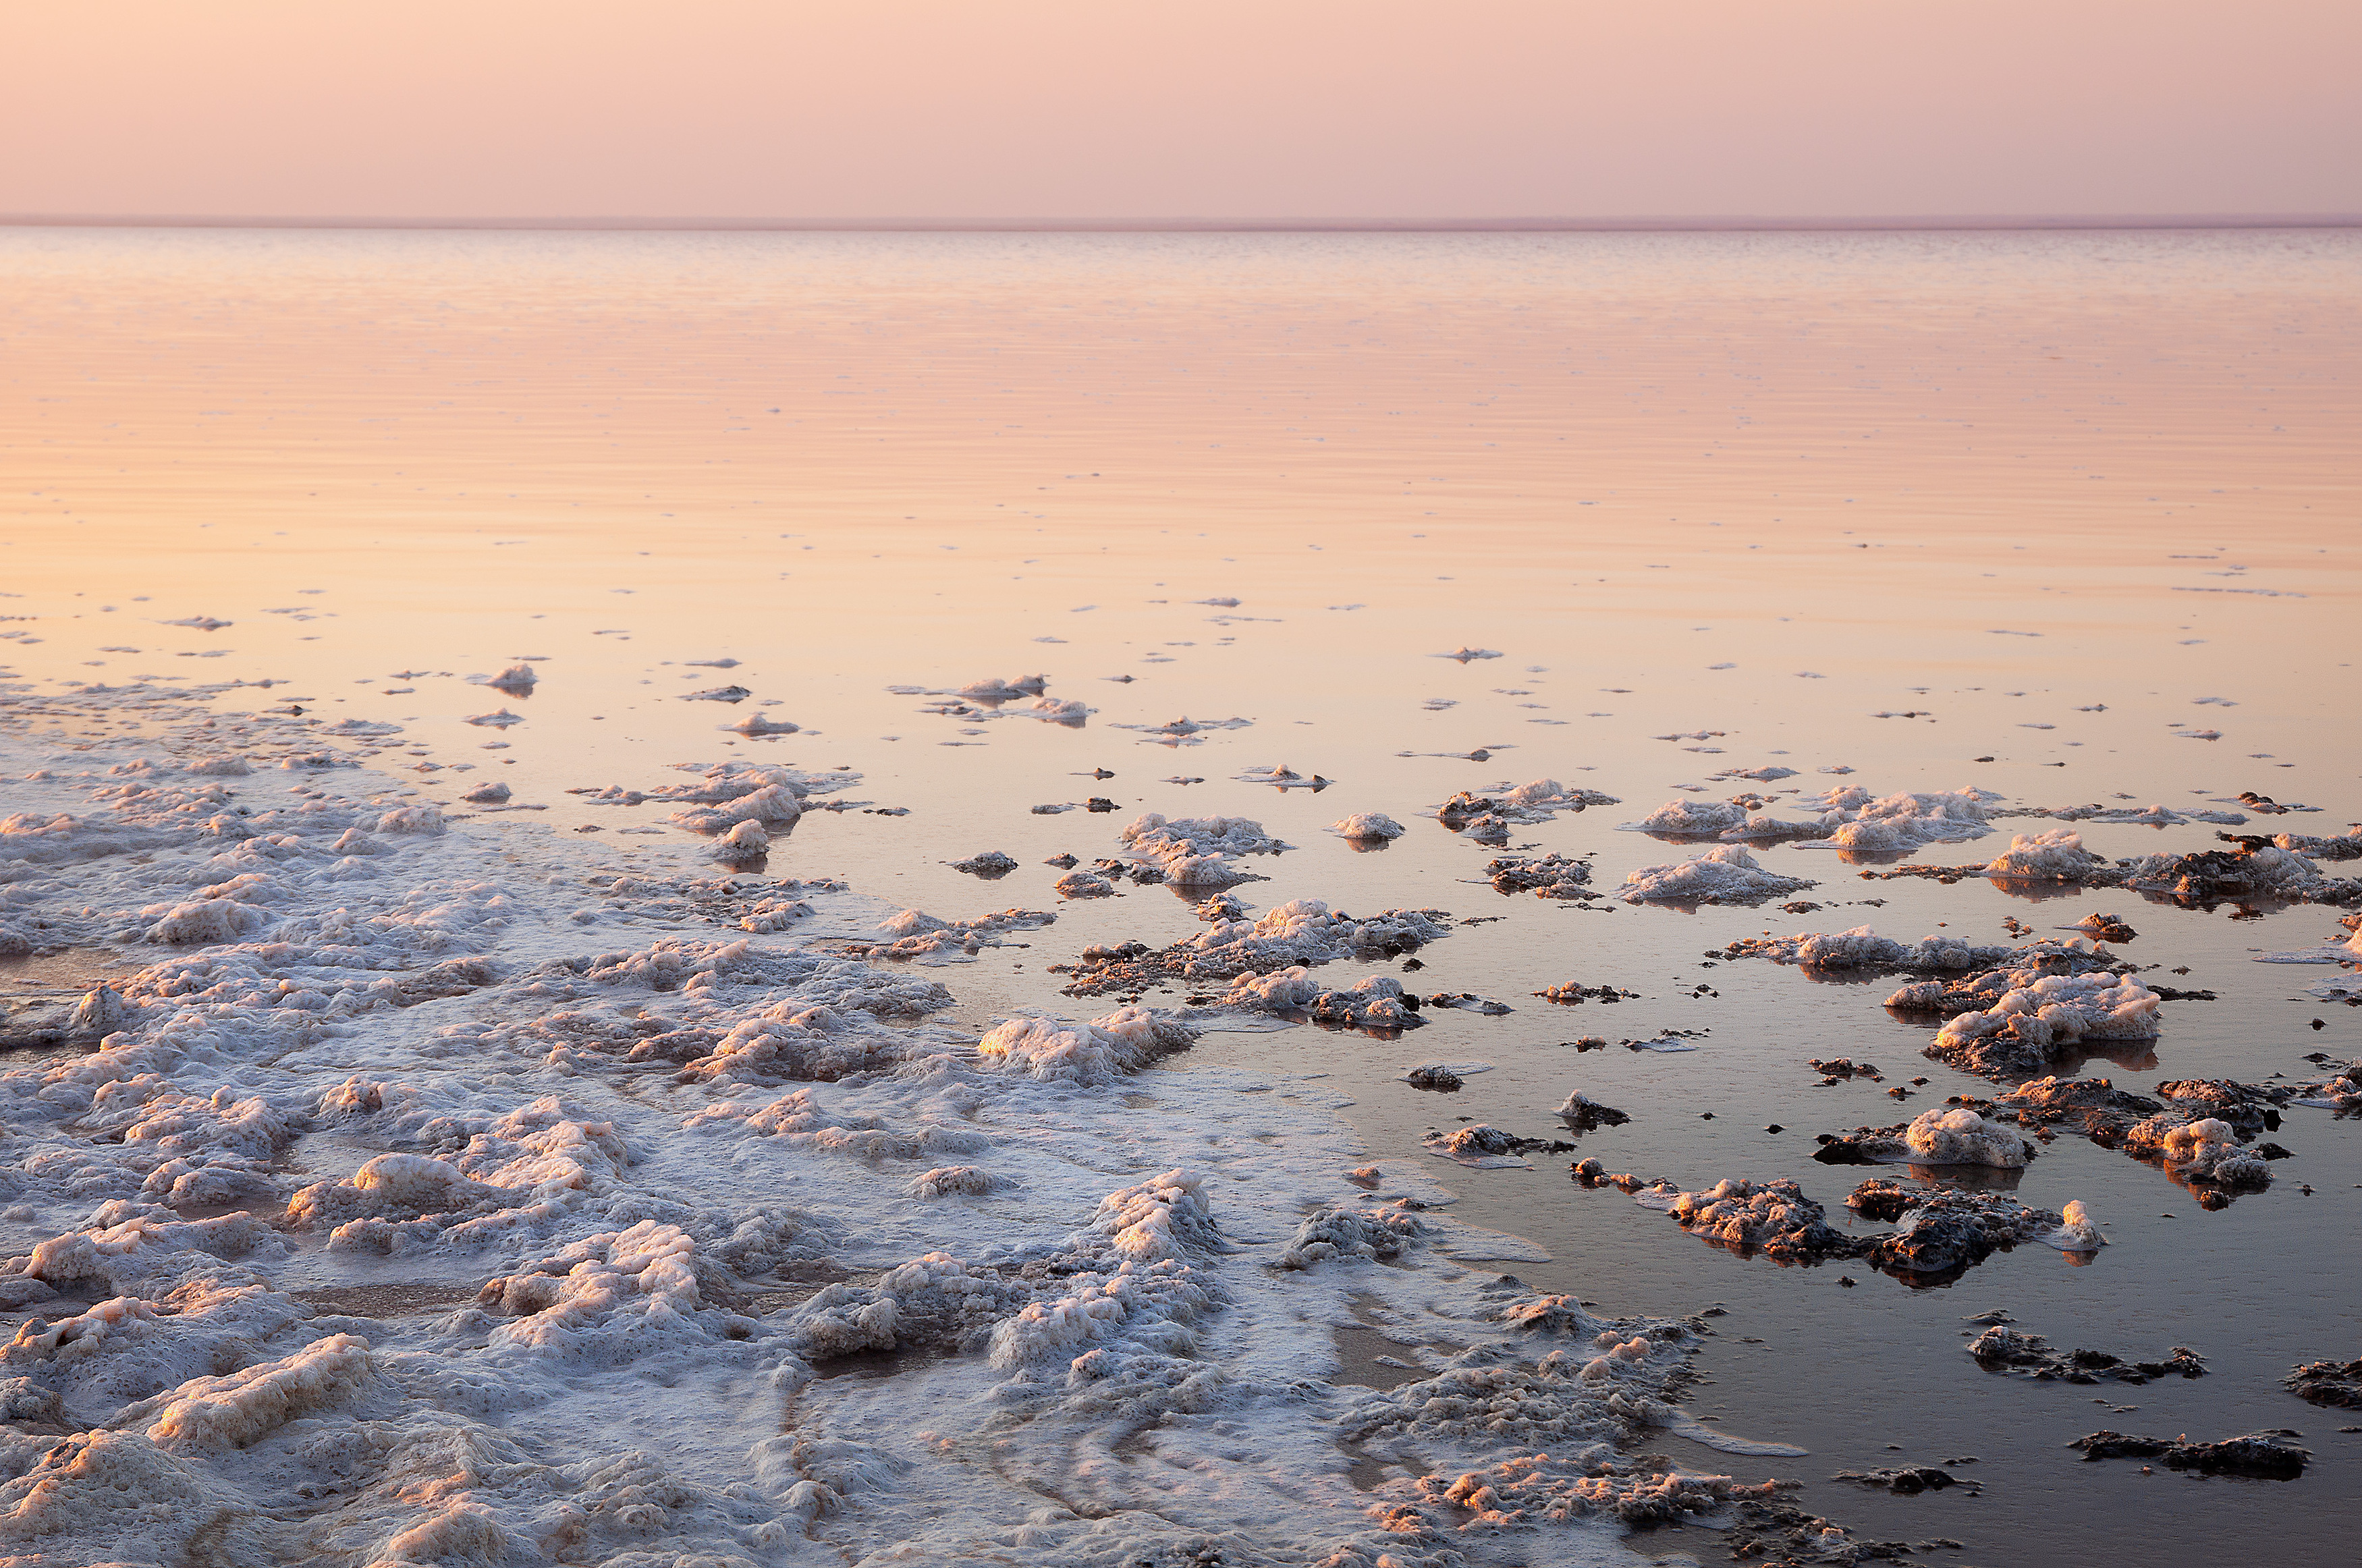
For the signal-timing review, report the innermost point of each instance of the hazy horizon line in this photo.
(1697, 224)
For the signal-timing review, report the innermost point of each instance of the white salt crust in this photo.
(422, 1205)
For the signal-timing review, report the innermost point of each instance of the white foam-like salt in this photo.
(628, 1106)
(1726, 875)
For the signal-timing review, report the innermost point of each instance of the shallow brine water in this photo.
(2047, 528)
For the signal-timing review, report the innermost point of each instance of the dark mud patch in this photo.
(403, 1300)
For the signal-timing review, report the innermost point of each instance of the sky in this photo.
(816, 110)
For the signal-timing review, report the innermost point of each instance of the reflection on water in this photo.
(1907, 511)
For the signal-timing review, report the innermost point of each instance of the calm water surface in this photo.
(2040, 492)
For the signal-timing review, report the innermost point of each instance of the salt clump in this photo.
(1729, 875)
(1096, 1053)
(1773, 1218)
(2205, 1150)
(1961, 1137)
(1862, 948)
(1377, 1003)
(1350, 1234)
(1300, 931)
(2033, 1019)
(1367, 825)
(2056, 856)
(914, 933)
(1545, 876)
(1196, 851)
(742, 843)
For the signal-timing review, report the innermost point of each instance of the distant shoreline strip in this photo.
(1218, 225)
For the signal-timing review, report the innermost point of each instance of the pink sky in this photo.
(798, 109)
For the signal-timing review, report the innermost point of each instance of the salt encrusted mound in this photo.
(1348, 1234)
(914, 933)
(2152, 816)
(1943, 1230)
(128, 1348)
(735, 792)
(736, 1012)
(1284, 778)
(800, 1117)
(1850, 818)
(1377, 1003)
(1585, 1114)
(2203, 1150)
(2346, 846)
(1197, 851)
(1574, 993)
(1301, 932)
(208, 1415)
(1938, 1231)
(746, 841)
(2000, 1349)
(2102, 927)
(1545, 876)
(1862, 948)
(1056, 710)
(955, 1181)
(1729, 875)
(2335, 1384)
(2267, 872)
(1367, 826)
(1185, 731)
(2249, 1108)
(1486, 816)
(990, 690)
(2056, 856)
(1908, 820)
(1126, 1289)
(1098, 1052)
(1545, 796)
(116, 1494)
(2033, 1018)
(2261, 1455)
(2194, 1127)
(2341, 1091)
(138, 1249)
(515, 1173)
(738, 970)
(764, 724)
(1565, 1391)
(2094, 1105)
(1691, 819)
(1773, 1217)
(1956, 1136)
(1482, 1147)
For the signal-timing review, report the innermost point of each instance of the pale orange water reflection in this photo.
(2032, 496)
